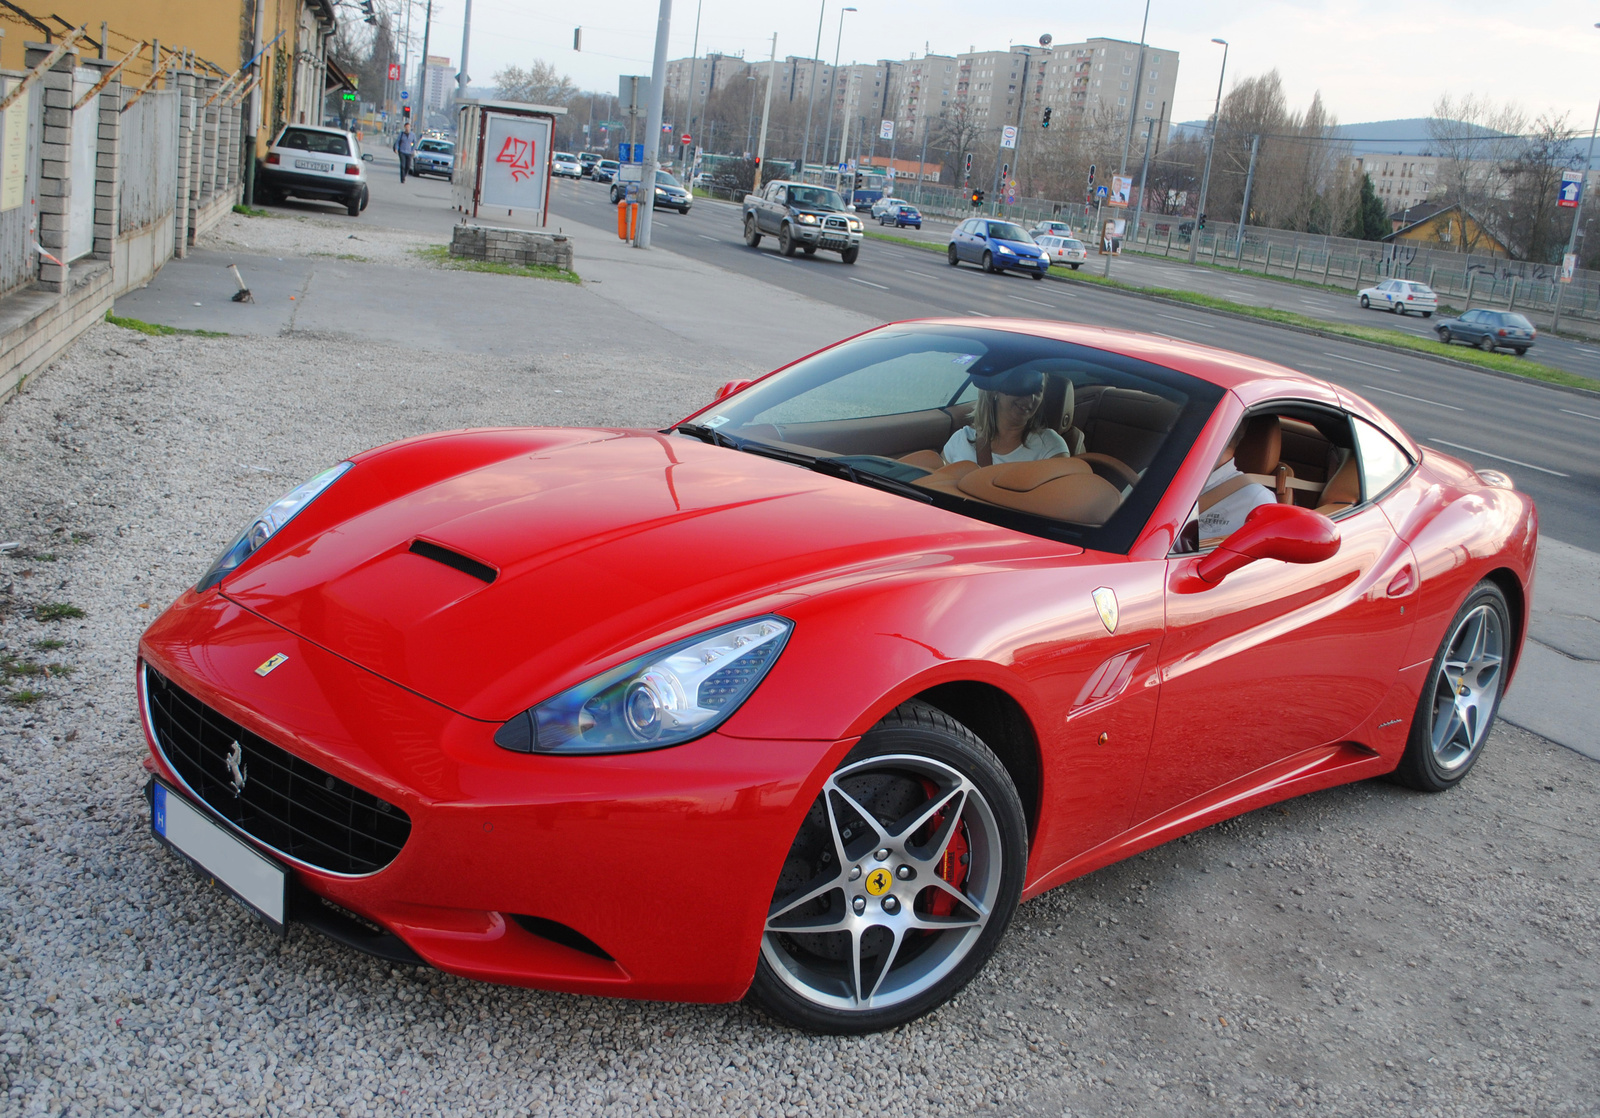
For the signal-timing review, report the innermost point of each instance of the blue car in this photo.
(998, 246)
(901, 215)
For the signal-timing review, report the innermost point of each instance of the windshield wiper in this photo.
(707, 435)
(837, 467)
(749, 446)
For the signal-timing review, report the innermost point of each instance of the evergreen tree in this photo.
(1369, 221)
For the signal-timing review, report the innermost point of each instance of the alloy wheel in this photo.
(1466, 688)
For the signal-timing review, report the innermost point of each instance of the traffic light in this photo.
(405, 111)
(1202, 221)
(859, 178)
(1091, 174)
(1045, 123)
(968, 172)
(977, 197)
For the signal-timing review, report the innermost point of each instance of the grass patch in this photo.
(156, 330)
(439, 255)
(57, 611)
(252, 211)
(24, 697)
(927, 246)
(49, 644)
(342, 256)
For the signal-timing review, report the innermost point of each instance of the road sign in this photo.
(405, 94)
(1101, 191)
(630, 153)
(1008, 136)
(1121, 188)
(1570, 190)
(1569, 264)
(886, 130)
(844, 166)
(394, 71)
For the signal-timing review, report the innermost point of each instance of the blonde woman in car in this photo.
(1007, 425)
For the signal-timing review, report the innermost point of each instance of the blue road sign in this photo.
(844, 166)
(1570, 190)
(1101, 193)
(630, 153)
(405, 94)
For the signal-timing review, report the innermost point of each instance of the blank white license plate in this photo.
(256, 880)
(312, 165)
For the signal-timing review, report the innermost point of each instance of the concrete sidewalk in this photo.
(1559, 678)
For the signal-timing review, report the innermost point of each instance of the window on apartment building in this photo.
(1156, 59)
(1128, 54)
(1124, 86)
(1148, 105)
(1155, 75)
(1122, 101)
(1126, 70)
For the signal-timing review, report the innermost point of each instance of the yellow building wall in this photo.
(210, 28)
(1444, 231)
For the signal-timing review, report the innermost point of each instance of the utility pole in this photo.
(1577, 215)
(1138, 77)
(255, 106)
(422, 98)
(466, 40)
(1211, 146)
(811, 99)
(694, 61)
(923, 158)
(766, 113)
(1138, 207)
(833, 92)
(652, 126)
(1244, 210)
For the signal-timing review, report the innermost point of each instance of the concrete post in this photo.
(184, 82)
(208, 140)
(108, 162)
(55, 162)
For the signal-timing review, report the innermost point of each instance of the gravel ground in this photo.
(282, 234)
(1361, 951)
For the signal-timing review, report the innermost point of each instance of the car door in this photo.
(1278, 658)
(960, 238)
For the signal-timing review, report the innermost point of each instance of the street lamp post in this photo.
(827, 139)
(1138, 78)
(1211, 146)
(1577, 215)
(811, 98)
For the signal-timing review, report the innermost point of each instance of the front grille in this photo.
(837, 223)
(285, 802)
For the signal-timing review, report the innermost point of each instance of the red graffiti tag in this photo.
(518, 156)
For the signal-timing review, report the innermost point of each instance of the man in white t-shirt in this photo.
(1007, 425)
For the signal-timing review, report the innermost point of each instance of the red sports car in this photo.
(800, 697)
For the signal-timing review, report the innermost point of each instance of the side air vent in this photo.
(463, 563)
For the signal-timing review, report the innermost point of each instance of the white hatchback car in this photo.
(1064, 250)
(881, 206)
(312, 162)
(564, 164)
(1401, 297)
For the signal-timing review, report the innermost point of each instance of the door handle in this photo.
(1403, 583)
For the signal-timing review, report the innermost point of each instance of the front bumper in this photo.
(831, 240)
(1020, 263)
(664, 861)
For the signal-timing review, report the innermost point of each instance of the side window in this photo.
(1382, 462)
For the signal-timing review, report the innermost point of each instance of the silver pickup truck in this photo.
(802, 217)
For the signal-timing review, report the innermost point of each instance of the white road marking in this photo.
(980, 314)
(1353, 361)
(1585, 414)
(703, 237)
(1403, 396)
(1186, 321)
(869, 283)
(1035, 302)
(1498, 457)
(924, 275)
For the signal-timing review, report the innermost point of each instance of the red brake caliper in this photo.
(952, 864)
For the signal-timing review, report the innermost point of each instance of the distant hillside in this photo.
(1384, 137)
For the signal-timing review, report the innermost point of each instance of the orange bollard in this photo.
(633, 220)
(622, 222)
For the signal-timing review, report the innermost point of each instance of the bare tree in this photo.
(1534, 227)
(540, 84)
(1475, 140)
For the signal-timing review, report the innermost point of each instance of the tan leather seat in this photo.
(929, 460)
(944, 479)
(1058, 488)
(1343, 488)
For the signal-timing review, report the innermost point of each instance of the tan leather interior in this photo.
(1124, 423)
(944, 479)
(929, 460)
(1058, 488)
(1343, 488)
(1260, 447)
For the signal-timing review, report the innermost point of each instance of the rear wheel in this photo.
(352, 206)
(1398, 308)
(1075, 267)
(1486, 343)
(1521, 351)
(900, 882)
(752, 233)
(1462, 696)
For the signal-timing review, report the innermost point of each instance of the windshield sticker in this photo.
(964, 359)
(716, 421)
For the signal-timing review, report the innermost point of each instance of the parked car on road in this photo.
(565, 165)
(900, 215)
(317, 163)
(605, 171)
(1489, 331)
(1064, 250)
(802, 217)
(1052, 228)
(434, 157)
(1401, 297)
(998, 246)
(777, 702)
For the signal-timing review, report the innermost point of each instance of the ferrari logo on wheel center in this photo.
(878, 882)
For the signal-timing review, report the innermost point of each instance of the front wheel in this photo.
(900, 882)
(786, 241)
(850, 254)
(809, 250)
(1462, 696)
(988, 263)
(953, 256)
(1038, 275)
(752, 233)
(1365, 302)
(1444, 335)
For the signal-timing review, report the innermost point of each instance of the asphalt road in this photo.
(1543, 437)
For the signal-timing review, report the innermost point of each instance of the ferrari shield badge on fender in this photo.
(273, 662)
(1105, 600)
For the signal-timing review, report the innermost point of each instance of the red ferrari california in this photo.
(800, 698)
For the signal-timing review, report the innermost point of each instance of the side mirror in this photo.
(730, 388)
(1283, 532)
(366, 157)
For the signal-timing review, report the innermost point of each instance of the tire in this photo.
(352, 206)
(1486, 343)
(952, 256)
(1472, 657)
(1397, 308)
(1427, 314)
(683, 210)
(1444, 335)
(1366, 303)
(786, 243)
(1075, 267)
(809, 250)
(752, 231)
(851, 254)
(366, 196)
(1038, 275)
(988, 264)
(1521, 351)
(896, 776)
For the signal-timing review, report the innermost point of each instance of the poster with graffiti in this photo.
(516, 161)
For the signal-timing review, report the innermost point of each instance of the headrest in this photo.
(1260, 447)
(1017, 382)
(1055, 488)
(1344, 487)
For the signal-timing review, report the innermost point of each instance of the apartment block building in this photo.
(711, 74)
(922, 91)
(1002, 87)
(1400, 181)
(1095, 80)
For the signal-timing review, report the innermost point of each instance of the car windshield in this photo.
(1006, 231)
(1515, 320)
(1068, 242)
(609, 164)
(564, 157)
(323, 143)
(859, 409)
(436, 145)
(664, 178)
(815, 197)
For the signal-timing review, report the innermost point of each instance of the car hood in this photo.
(602, 547)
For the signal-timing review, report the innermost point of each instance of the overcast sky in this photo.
(1372, 59)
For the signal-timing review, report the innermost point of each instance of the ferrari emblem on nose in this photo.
(271, 663)
(1105, 600)
(236, 768)
(878, 882)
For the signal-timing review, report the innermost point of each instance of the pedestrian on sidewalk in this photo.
(404, 145)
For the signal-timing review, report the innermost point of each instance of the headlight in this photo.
(662, 698)
(855, 226)
(806, 219)
(1004, 249)
(279, 513)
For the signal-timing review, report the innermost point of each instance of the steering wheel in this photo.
(1114, 470)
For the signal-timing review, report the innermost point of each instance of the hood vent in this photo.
(463, 563)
